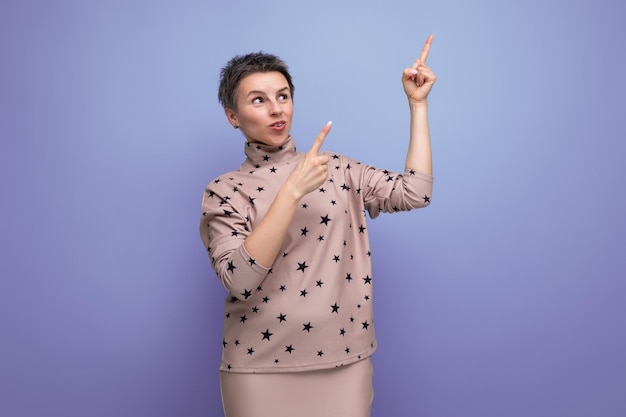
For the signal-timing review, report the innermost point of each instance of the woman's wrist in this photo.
(418, 105)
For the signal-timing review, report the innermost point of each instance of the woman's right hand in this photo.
(311, 171)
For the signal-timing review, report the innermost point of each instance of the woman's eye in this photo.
(257, 100)
(283, 97)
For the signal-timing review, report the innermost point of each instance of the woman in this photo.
(287, 236)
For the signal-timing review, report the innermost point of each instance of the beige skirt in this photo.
(338, 392)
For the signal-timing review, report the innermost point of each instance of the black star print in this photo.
(411, 172)
(243, 319)
(320, 353)
(276, 361)
(289, 349)
(322, 190)
(367, 280)
(237, 342)
(351, 319)
(305, 205)
(266, 299)
(304, 231)
(325, 220)
(365, 324)
(302, 266)
(320, 238)
(233, 299)
(342, 332)
(227, 213)
(347, 350)
(251, 199)
(426, 199)
(362, 229)
(251, 261)
(366, 298)
(345, 187)
(335, 308)
(273, 170)
(266, 158)
(348, 277)
(246, 294)
(224, 343)
(348, 166)
(231, 266)
(319, 283)
(282, 288)
(255, 309)
(303, 293)
(259, 189)
(307, 327)
(282, 317)
(250, 351)
(266, 334)
(234, 189)
(333, 202)
(389, 178)
(234, 233)
(336, 258)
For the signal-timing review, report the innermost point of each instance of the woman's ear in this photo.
(232, 117)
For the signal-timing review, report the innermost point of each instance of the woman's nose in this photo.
(275, 108)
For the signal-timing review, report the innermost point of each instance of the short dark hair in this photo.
(241, 66)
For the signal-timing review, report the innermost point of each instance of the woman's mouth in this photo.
(278, 125)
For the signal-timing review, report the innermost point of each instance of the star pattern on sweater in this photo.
(266, 335)
(302, 266)
(299, 279)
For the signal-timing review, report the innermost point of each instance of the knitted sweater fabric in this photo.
(312, 308)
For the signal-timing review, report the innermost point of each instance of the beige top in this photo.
(313, 308)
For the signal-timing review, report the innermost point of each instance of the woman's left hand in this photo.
(418, 80)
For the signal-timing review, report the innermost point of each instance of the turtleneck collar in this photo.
(260, 154)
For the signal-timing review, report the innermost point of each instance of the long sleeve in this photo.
(388, 191)
(223, 229)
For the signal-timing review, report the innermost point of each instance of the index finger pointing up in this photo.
(319, 140)
(426, 48)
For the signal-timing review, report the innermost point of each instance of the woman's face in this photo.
(264, 108)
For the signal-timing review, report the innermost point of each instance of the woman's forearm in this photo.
(264, 242)
(419, 154)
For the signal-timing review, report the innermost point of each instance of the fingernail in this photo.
(414, 71)
(330, 122)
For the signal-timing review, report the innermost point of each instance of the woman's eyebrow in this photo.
(264, 93)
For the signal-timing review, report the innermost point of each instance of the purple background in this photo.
(511, 285)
